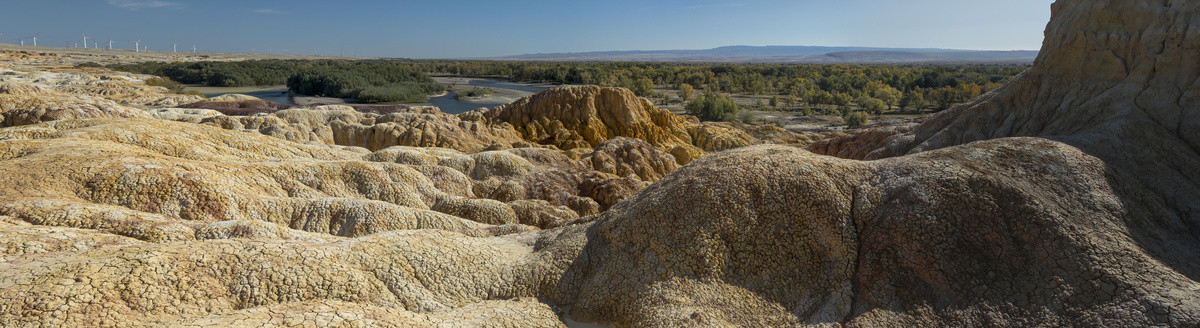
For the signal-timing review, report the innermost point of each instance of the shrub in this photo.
(192, 93)
(164, 82)
(712, 107)
(855, 119)
(746, 116)
(171, 85)
(375, 95)
(643, 87)
(475, 92)
(685, 91)
(912, 100)
(875, 106)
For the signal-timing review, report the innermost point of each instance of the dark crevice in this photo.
(854, 285)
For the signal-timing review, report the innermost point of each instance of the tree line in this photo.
(369, 81)
(908, 86)
(791, 86)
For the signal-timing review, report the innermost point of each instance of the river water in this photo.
(506, 90)
(450, 105)
(277, 93)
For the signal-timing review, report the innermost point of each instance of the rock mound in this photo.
(585, 116)
(964, 236)
(399, 278)
(22, 104)
(151, 179)
(626, 157)
(117, 87)
(1116, 79)
(1066, 197)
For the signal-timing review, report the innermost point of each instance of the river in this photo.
(278, 93)
(506, 92)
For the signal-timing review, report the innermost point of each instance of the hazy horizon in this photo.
(479, 29)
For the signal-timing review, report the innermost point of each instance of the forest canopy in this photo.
(406, 80)
(368, 81)
(815, 84)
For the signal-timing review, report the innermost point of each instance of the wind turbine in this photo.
(110, 42)
(34, 39)
(137, 46)
(84, 40)
(174, 48)
(193, 48)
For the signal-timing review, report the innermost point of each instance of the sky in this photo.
(482, 28)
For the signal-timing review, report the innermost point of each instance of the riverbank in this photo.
(277, 93)
(506, 92)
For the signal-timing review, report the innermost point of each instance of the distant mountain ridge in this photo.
(793, 54)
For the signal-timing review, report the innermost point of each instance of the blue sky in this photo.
(478, 28)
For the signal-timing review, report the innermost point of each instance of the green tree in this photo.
(842, 99)
(775, 101)
(889, 95)
(969, 91)
(854, 119)
(945, 97)
(873, 87)
(912, 100)
(745, 116)
(806, 81)
(712, 107)
(875, 106)
(821, 98)
(643, 87)
(686, 91)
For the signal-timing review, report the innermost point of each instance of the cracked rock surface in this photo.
(1068, 197)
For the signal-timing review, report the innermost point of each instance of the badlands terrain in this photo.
(1068, 197)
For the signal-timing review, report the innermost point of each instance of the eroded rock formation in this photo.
(1065, 198)
(583, 117)
(22, 104)
(121, 88)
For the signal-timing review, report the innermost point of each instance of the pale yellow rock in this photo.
(119, 175)
(22, 104)
(1065, 198)
(120, 88)
(189, 115)
(628, 157)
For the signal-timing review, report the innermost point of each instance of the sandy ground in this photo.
(502, 96)
(310, 100)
